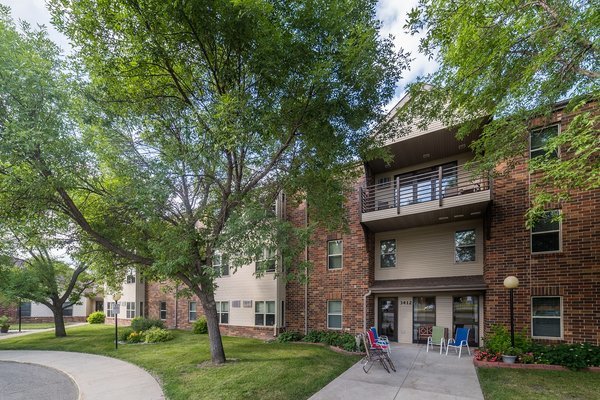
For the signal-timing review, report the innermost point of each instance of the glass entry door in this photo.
(465, 311)
(388, 315)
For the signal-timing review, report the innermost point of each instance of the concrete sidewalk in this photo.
(15, 333)
(419, 375)
(97, 377)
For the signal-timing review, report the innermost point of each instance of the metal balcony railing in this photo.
(429, 186)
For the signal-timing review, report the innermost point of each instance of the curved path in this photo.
(96, 377)
(50, 383)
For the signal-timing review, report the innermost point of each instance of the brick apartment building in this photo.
(427, 244)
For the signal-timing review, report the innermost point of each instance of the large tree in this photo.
(196, 115)
(513, 60)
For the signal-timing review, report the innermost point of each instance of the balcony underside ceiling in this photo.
(410, 151)
(436, 284)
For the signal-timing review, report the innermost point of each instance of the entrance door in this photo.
(466, 315)
(388, 315)
(423, 318)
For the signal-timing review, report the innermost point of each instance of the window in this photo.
(223, 312)
(264, 313)
(25, 309)
(109, 309)
(388, 253)
(68, 311)
(334, 254)
(163, 310)
(464, 246)
(221, 265)
(334, 314)
(267, 261)
(192, 316)
(99, 305)
(130, 309)
(545, 233)
(539, 139)
(130, 278)
(546, 317)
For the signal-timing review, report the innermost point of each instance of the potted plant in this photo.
(510, 354)
(4, 325)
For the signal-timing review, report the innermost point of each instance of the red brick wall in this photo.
(573, 273)
(348, 284)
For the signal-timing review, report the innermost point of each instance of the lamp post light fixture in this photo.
(116, 298)
(511, 283)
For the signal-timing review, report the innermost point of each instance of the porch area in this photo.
(420, 375)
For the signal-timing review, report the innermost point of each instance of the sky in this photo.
(392, 13)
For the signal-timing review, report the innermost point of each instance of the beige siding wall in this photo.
(243, 285)
(427, 252)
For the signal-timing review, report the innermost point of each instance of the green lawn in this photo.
(515, 384)
(262, 370)
(34, 325)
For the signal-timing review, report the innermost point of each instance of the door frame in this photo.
(380, 316)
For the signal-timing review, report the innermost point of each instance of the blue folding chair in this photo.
(460, 340)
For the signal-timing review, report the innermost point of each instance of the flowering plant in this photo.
(483, 355)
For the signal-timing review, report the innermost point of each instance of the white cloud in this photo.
(392, 13)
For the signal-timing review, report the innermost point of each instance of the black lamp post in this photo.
(116, 298)
(511, 283)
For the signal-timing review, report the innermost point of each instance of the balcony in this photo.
(449, 193)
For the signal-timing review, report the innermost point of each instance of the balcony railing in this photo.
(437, 185)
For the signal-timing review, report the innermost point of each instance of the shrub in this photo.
(135, 337)
(345, 341)
(313, 337)
(483, 355)
(156, 334)
(200, 326)
(140, 324)
(572, 356)
(286, 337)
(97, 317)
(124, 334)
(4, 322)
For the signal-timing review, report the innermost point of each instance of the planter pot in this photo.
(4, 329)
(509, 359)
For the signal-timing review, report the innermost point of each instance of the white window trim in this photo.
(265, 257)
(382, 254)
(265, 313)
(540, 129)
(190, 311)
(341, 314)
(560, 237)
(220, 265)
(128, 311)
(110, 307)
(160, 310)
(219, 312)
(561, 318)
(335, 255)
(471, 245)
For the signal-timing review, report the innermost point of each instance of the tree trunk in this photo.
(59, 322)
(209, 306)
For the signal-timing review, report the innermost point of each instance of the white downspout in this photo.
(365, 310)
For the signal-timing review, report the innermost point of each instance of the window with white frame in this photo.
(130, 278)
(546, 315)
(388, 253)
(130, 309)
(267, 261)
(335, 253)
(192, 316)
(464, 246)
(334, 314)
(223, 312)
(163, 310)
(221, 264)
(110, 309)
(264, 313)
(68, 311)
(545, 233)
(539, 138)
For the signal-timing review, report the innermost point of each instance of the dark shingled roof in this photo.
(449, 283)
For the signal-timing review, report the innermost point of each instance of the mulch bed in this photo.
(491, 364)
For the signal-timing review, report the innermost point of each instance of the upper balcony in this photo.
(447, 193)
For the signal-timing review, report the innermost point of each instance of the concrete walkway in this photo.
(15, 333)
(50, 383)
(419, 375)
(96, 377)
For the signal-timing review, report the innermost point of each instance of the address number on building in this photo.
(405, 302)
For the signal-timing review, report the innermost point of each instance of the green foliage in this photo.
(498, 341)
(200, 326)
(4, 322)
(136, 337)
(498, 60)
(345, 341)
(124, 334)
(573, 356)
(156, 335)
(141, 324)
(289, 336)
(97, 317)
